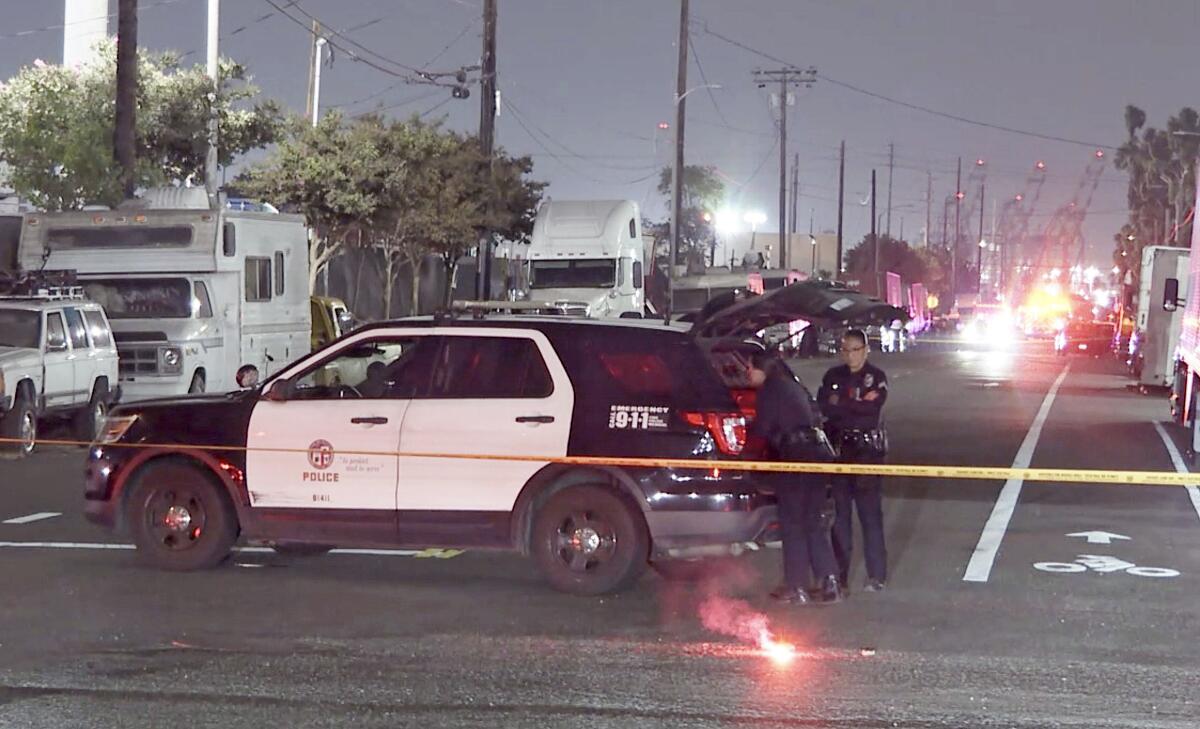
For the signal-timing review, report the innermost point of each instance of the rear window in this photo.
(632, 367)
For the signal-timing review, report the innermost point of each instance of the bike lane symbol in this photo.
(1105, 564)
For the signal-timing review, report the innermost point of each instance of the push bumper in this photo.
(100, 504)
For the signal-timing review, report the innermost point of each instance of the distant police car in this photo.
(374, 441)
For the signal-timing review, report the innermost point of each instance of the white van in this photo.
(192, 294)
(587, 257)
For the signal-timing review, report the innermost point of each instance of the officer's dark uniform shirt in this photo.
(852, 411)
(783, 405)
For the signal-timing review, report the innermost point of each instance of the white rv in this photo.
(586, 257)
(193, 294)
(1158, 327)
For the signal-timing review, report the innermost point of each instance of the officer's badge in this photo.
(868, 380)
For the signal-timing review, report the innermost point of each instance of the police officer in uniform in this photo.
(788, 421)
(852, 397)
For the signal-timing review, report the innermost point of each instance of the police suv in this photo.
(57, 358)
(471, 432)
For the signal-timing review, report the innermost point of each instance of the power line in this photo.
(450, 45)
(704, 77)
(521, 121)
(405, 102)
(916, 107)
(348, 39)
(61, 26)
(415, 75)
(435, 107)
(567, 151)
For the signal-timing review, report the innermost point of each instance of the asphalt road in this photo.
(1051, 630)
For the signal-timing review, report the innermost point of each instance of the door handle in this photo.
(373, 420)
(535, 418)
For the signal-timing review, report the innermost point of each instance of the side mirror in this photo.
(1170, 294)
(280, 391)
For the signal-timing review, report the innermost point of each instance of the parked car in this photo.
(461, 432)
(1094, 338)
(57, 359)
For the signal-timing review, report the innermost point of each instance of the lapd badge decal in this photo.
(320, 454)
(868, 380)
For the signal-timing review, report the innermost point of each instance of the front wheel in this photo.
(587, 540)
(19, 427)
(180, 518)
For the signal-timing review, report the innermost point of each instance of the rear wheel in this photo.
(90, 421)
(20, 428)
(180, 517)
(588, 540)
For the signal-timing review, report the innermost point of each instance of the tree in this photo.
(57, 124)
(406, 189)
(1160, 165)
(331, 174)
(703, 192)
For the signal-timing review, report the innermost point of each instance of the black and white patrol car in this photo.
(381, 439)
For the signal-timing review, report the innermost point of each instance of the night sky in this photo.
(591, 80)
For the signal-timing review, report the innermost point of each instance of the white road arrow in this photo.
(1099, 537)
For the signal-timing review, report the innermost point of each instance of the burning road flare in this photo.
(740, 620)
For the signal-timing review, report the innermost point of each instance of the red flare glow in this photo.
(738, 619)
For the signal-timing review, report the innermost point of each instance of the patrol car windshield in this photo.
(596, 273)
(143, 298)
(19, 328)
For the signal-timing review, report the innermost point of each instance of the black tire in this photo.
(692, 570)
(180, 517)
(301, 550)
(19, 424)
(198, 384)
(90, 420)
(588, 540)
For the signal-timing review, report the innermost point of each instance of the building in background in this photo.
(85, 23)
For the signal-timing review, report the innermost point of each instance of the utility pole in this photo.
(837, 272)
(487, 136)
(958, 197)
(677, 167)
(874, 237)
(124, 148)
(979, 247)
(313, 106)
(891, 164)
(812, 241)
(928, 204)
(795, 189)
(210, 160)
(787, 77)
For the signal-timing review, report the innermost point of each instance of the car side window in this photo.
(56, 333)
(377, 369)
(76, 328)
(258, 279)
(490, 368)
(637, 274)
(98, 329)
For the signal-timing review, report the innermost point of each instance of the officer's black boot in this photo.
(830, 591)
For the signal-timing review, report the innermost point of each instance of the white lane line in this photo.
(435, 553)
(1180, 466)
(32, 517)
(980, 566)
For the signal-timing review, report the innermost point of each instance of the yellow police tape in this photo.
(975, 473)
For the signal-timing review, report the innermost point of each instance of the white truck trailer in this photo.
(586, 258)
(1159, 326)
